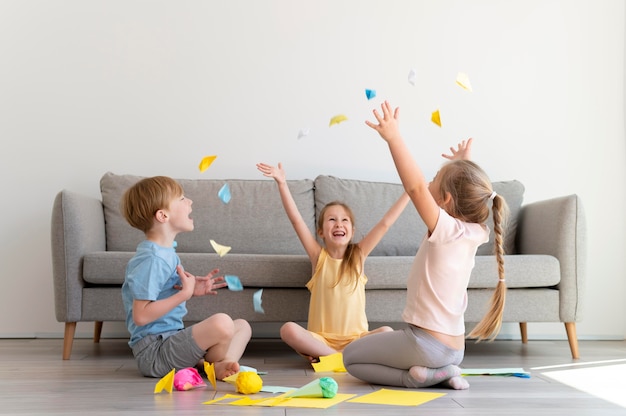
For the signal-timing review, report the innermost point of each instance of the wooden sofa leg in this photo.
(97, 331)
(523, 329)
(570, 328)
(68, 339)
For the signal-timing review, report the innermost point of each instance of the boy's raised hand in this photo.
(272, 172)
(388, 122)
(462, 152)
(208, 285)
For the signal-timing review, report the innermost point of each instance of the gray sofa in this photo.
(91, 244)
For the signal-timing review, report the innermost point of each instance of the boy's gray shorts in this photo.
(157, 355)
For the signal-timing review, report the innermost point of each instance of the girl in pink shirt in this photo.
(455, 206)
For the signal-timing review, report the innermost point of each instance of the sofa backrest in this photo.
(252, 222)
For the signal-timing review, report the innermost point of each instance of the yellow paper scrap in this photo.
(397, 397)
(337, 119)
(206, 162)
(167, 382)
(463, 81)
(316, 403)
(332, 362)
(223, 398)
(220, 249)
(209, 369)
(436, 118)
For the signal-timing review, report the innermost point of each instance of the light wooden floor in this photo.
(103, 379)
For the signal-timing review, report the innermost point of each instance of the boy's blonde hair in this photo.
(471, 193)
(351, 264)
(141, 201)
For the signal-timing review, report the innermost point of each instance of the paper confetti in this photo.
(219, 249)
(224, 193)
(167, 382)
(206, 162)
(337, 119)
(436, 118)
(332, 362)
(209, 369)
(303, 133)
(370, 94)
(233, 282)
(463, 81)
(256, 301)
(412, 76)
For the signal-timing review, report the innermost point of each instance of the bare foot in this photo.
(424, 376)
(456, 383)
(224, 369)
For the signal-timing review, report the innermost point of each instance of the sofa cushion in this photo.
(293, 271)
(253, 222)
(370, 200)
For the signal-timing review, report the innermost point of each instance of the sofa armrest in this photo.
(77, 228)
(557, 227)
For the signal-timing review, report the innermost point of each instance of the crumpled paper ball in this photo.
(187, 379)
(248, 382)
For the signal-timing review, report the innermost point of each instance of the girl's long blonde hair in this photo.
(472, 193)
(351, 264)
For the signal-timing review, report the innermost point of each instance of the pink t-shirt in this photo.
(437, 284)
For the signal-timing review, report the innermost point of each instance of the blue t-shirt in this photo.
(151, 275)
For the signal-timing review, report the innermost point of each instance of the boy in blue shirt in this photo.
(156, 289)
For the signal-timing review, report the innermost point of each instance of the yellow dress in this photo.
(336, 312)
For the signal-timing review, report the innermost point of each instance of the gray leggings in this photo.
(385, 358)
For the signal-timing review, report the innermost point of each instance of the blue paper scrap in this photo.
(224, 193)
(233, 282)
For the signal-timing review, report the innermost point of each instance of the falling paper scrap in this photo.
(303, 133)
(337, 119)
(256, 301)
(436, 118)
(463, 81)
(220, 249)
(370, 94)
(233, 282)
(206, 162)
(412, 76)
(224, 193)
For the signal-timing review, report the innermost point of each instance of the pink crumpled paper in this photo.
(187, 379)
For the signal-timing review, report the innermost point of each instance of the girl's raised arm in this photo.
(410, 173)
(310, 244)
(374, 236)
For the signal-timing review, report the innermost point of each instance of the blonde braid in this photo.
(491, 323)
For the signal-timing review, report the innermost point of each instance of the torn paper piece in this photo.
(256, 301)
(206, 162)
(332, 362)
(167, 382)
(233, 283)
(337, 119)
(463, 81)
(209, 369)
(412, 77)
(224, 193)
(220, 249)
(303, 133)
(436, 118)
(370, 94)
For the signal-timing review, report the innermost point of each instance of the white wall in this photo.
(149, 87)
